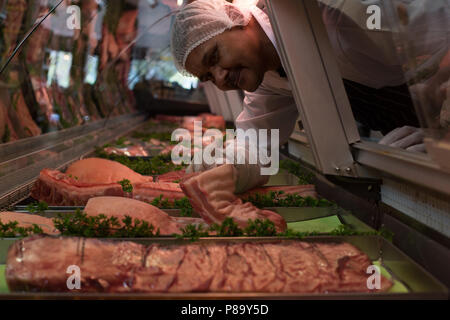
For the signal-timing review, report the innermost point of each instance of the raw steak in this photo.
(211, 194)
(120, 207)
(40, 264)
(27, 220)
(95, 177)
(171, 176)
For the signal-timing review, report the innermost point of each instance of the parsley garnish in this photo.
(182, 204)
(37, 207)
(12, 230)
(296, 169)
(155, 166)
(279, 199)
(126, 185)
(101, 226)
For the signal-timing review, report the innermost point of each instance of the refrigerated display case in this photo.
(95, 78)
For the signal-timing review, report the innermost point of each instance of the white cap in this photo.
(200, 21)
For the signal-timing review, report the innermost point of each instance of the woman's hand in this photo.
(409, 138)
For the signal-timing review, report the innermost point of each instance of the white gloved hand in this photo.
(409, 138)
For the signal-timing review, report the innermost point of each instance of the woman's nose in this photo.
(220, 75)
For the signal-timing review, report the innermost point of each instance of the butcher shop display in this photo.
(95, 177)
(39, 264)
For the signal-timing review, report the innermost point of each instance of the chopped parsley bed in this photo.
(81, 225)
(154, 166)
(304, 177)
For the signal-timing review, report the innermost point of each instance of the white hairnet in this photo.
(200, 21)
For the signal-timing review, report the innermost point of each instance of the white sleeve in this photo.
(262, 110)
(265, 110)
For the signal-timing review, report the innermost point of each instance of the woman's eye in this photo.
(215, 57)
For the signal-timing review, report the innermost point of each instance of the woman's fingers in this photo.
(410, 140)
(397, 135)
(417, 148)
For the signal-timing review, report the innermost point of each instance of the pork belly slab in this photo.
(211, 194)
(40, 264)
(95, 177)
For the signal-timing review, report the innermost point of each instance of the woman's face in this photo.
(231, 60)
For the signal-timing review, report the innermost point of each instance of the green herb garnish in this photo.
(193, 232)
(260, 228)
(279, 199)
(12, 230)
(101, 226)
(37, 207)
(228, 228)
(182, 204)
(126, 185)
(296, 169)
(155, 166)
(146, 136)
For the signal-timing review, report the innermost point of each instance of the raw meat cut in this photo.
(120, 207)
(308, 190)
(99, 171)
(40, 264)
(95, 177)
(211, 194)
(208, 120)
(132, 151)
(212, 121)
(27, 220)
(171, 176)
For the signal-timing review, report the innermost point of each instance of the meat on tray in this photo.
(306, 190)
(211, 194)
(171, 176)
(131, 151)
(208, 120)
(40, 264)
(95, 177)
(120, 207)
(26, 220)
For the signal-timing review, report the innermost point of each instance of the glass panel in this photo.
(385, 60)
(422, 39)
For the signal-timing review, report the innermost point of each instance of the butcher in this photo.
(233, 46)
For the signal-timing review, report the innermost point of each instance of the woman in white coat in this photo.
(234, 47)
